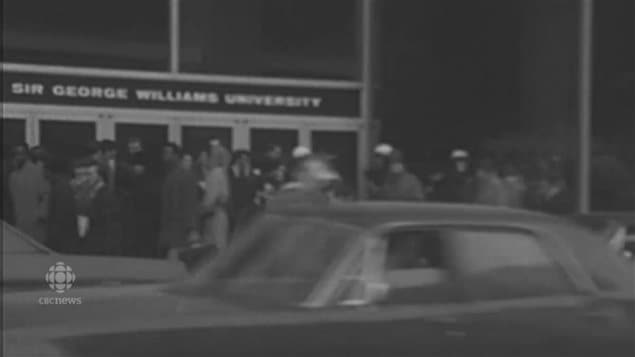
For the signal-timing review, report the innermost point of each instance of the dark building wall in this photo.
(549, 62)
(461, 73)
(450, 73)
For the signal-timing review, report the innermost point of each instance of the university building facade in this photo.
(249, 72)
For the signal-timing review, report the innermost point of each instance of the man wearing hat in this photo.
(62, 233)
(179, 204)
(244, 183)
(314, 177)
(457, 184)
(400, 184)
(300, 152)
(98, 212)
(378, 170)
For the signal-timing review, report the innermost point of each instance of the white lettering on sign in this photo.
(162, 95)
(72, 91)
(177, 96)
(273, 100)
(27, 88)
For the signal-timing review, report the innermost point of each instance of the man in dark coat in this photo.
(558, 199)
(457, 185)
(110, 166)
(313, 178)
(489, 188)
(62, 233)
(139, 201)
(179, 204)
(400, 184)
(244, 184)
(376, 174)
(98, 212)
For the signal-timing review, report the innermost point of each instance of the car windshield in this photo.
(280, 260)
(16, 242)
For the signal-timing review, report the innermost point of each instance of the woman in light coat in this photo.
(216, 196)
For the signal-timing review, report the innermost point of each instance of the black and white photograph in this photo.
(318, 178)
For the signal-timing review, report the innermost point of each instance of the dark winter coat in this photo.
(401, 187)
(105, 234)
(62, 233)
(179, 207)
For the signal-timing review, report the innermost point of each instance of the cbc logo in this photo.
(60, 277)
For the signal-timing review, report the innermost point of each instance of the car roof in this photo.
(371, 214)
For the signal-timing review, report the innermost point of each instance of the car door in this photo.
(523, 302)
(421, 314)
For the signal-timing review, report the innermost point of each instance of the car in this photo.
(197, 254)
(617, 227)
(25, 263)
(361, 279)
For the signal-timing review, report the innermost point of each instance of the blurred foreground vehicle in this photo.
(617, 228)
(365, 279)
(25, 263)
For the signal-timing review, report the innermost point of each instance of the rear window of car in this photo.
(506, 264)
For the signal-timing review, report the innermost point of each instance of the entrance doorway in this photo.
(195, 139)
(13, 133)
(341, 146)
(260, 139)
(152, 136)
(69, 139)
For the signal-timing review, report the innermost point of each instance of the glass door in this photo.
(13, 133)
(151, 136)
(195, 139)
(341, 147)
(261, 139)
(67, 139)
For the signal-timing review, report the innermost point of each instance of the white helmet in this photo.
(384, 149)
(300, 152)
(459, 154)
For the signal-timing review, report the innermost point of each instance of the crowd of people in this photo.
(485, 181)
(106, 202)
(120, 203)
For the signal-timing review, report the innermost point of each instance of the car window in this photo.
(284, 260)
(416, 267)
(16, 242)
(501, 264)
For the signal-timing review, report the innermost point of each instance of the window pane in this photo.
(278, 38)
(262, 139)
(505, 265)
(343, 147)
(196, 139)
(67, 139)
(416, 268)
(13, 133)
(152, 137)
(283, 260)
(109, 34)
